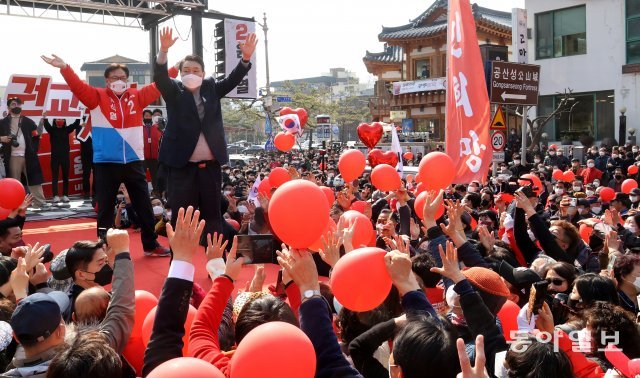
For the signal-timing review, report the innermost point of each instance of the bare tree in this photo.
(536, 125)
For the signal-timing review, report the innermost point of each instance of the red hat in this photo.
(486, 280)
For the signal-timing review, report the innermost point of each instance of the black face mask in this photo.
(484, 203)
(618, 177)
(595, 242)
(147, 122)
(103, 276)
(16, 110)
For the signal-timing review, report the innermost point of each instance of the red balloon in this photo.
(536, 182)
(145, 302)
(4, 213)
(370, 135)
(363, 231)
(268, 343)
(634, 367)
(328, 192)
(421, 187)
(317, 245)
(436, 170)
(632, 170)
(385, 178)
(351, 290)
(265, 187)
(147, 328)
(408, 155)
(418, 206)
(377, 157)
(607, 194)
(12, 193)
(298, 213)
(284, 141)
(568, 176)
(351, 165)
(134, 353)
(557, 175)
(628, 185)
(508, 315)
(359, 206)
(186, 366)
(585, 232)
(234, 223)
(278, 176)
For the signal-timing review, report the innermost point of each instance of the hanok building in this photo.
(411, 71)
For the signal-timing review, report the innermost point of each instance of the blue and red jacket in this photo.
(117, 130)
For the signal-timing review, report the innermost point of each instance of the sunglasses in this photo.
(555, 281)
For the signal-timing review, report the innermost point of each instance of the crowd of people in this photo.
(453, 274)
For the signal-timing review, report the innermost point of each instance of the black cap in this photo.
(635, 191)
(37, 316)
(521, 278)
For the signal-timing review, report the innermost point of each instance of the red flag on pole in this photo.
(468, 110)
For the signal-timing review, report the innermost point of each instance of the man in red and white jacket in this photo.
(118, 144)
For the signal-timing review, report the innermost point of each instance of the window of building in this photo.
(140, 79)
(562, 32)
(423, 69)
(633, 31)
(443, 67)
(590, 113)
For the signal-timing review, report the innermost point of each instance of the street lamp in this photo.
(622, 131)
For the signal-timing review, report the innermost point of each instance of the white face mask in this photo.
(591, 165)
(158, 210)
(559, 191)
(536, 161)
(192, 81)
(577, 188)
(118, 87)
(596, 209)
(226, 192)
(590, 193)
(633, 198)
(243, 209)
(472, 189)
(516, 162)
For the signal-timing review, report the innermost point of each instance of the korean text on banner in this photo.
(236, 32)
(468, 110)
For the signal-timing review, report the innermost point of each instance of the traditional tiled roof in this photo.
(390, 55)
(418, 27)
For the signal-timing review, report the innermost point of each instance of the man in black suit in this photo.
(165, 342)
(194, 146)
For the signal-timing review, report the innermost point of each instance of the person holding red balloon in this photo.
(194, 146)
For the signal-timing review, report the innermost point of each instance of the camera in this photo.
(14, 140)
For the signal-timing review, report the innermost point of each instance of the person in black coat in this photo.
(20, 138)
(194, 145)
(86, 155)
(59, 140)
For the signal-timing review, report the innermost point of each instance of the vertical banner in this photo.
(468, 111)
(236, 32)
(519, 41)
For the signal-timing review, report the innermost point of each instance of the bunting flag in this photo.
(397, 148)
(468, 111)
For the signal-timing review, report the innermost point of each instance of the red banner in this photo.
(468, 110)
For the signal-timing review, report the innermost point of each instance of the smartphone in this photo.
(539, 293)
(603, 257)
(257, 249)
(102, 233)
(612, 262)
(574, 202)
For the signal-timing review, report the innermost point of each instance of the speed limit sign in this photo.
(498, 140)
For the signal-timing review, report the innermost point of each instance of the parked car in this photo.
(253, 150)
(235, 149)
(239, 161)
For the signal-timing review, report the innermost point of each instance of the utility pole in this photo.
(268, 101)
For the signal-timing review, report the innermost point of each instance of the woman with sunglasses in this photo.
(560, 277)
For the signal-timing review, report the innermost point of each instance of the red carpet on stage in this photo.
(150, 272)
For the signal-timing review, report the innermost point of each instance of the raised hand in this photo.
(186, 237)
(249, 46)
(117, 241)
(431, 206)
(450, 267)
(330, 252)
(166, 39)
(33, 256)
(347, 237)
(41, 275)
(56, 61)
(233, 266)
(301, 267)
(478, 371)
(258, 279)
(215, 246)
(487, 240)
(22, 209)
(19, 280)
(399, 268)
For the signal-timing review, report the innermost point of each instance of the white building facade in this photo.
(593, 48)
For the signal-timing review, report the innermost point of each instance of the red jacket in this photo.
(590, 174)
(152, 136)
